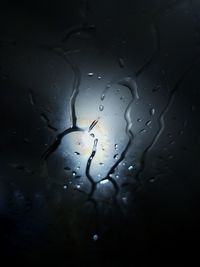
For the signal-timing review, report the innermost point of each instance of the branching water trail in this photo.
(87, 172)
(64, 53)
(155, 54)
(161, 121)
(132, 86)
(156, 33)
(74, 94)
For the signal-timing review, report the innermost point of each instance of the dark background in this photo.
(155, 42)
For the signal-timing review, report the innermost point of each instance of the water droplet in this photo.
(74, 173)
(116, 156)
(65, 187)
(92, 135)
(95, 237)
(148, 123)
(90, 74)
(152, 180)
(102, 97)
(67, 169)
(101, 107)
(130, 168)
(139, 120)
(121, 62)
(117, 176)
(76, 153)
(124, 199)
(78, 186)
(143, 131)
(152, 111)
(104, 181)
(99, 77)
(116, 146)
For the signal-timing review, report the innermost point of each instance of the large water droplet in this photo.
(143, 131)
(90, 74)
(102, 97)
(104, 181)
(130, 168)
(101, 107)
(148, 123)
(116, 156)
(95, 237)
(152, 111)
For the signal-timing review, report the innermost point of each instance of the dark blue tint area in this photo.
(100, 135)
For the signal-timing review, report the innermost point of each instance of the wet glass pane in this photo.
(100, 137)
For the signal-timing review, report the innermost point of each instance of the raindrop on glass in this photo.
(116, 156)
(104, 181)
(130, 168)
(102, 97)
(152, 111)
(143, 131)
(95, 237)
(67, 169)
(90, 74)
(148, 123)
(101, 107)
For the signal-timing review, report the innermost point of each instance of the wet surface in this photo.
(100, 135)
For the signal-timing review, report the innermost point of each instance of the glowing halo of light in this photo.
(82, 142)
